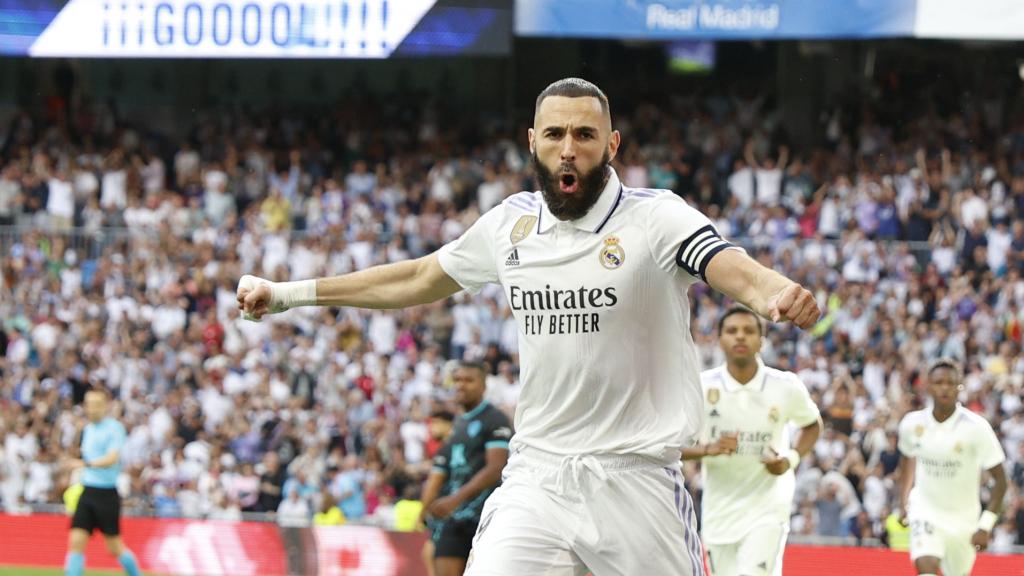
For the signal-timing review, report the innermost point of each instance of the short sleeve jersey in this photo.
(608, 363)
(465, 453)
(950, 457)
(98, 440)
(739, 493)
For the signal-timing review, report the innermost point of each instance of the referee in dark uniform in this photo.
(466, 470)
(99, 505)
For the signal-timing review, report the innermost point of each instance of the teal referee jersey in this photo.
(98, 440)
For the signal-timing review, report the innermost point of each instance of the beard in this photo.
(575, 205)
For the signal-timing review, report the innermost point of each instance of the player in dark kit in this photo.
(466, 470)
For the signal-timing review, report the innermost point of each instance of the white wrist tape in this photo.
(288, 295)
(987, 521)
(283, 295)
(794, 458)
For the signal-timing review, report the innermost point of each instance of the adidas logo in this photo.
(714, 412)
(513, 258)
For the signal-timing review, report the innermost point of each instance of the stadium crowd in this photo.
(122, 249)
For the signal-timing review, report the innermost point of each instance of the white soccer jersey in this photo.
(608, 363)
(739, 493)
(951, 456)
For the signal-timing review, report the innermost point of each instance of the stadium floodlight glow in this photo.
(230, 28)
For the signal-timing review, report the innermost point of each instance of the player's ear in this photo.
(529, 137)
(613, 144)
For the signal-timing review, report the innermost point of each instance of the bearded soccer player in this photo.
(946, 448)
(596, 274)
(99, 505)
(747, 461)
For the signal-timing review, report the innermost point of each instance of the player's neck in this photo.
(743, 372)
(942, 414)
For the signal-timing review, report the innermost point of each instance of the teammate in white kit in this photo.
(596, 274)
(945, 450)
(748, 464)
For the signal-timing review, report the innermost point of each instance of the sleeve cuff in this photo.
(994, 463)
(807, 422)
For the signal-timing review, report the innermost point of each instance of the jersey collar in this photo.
(599, 213)
(952, 417)
(757, 382)
(475, 411)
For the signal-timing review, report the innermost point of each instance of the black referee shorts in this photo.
(454, 538)
(98, 508)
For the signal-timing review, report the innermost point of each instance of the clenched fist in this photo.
(795, 304)
(254, 296)
(257, 296)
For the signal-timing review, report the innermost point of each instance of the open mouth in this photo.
(569, 183)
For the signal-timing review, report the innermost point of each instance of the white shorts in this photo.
(565, 516)
(759, 553)
(951, 545)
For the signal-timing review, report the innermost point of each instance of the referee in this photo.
(100, 505)
(466, 470)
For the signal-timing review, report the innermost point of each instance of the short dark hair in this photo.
(99, 390)
(443, 414)
(947, 363)
(573, 88)
(479, 366)
(740, 310)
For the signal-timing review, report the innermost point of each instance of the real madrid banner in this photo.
(770, 19)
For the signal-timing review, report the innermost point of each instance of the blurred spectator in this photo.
(329, 514)
(829, 509)
(896, 533)
(347, 489)
(293, 511)
(384, 513)
(271, 483)
(407, 511)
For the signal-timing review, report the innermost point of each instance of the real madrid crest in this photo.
(522, 228)
(773, 414)
(919, 430)
(612, 255)
(958, 448)
(713, 396)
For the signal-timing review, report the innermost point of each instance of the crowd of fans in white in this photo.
(121, 254)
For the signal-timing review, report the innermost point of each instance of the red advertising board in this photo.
(161, 545)
(196, 547)
(817, 560)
